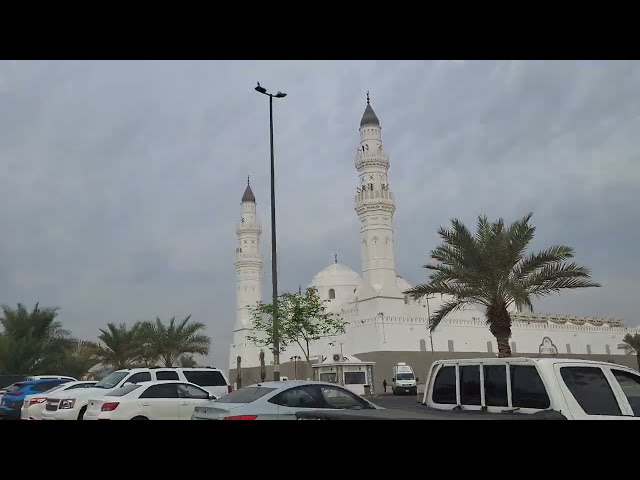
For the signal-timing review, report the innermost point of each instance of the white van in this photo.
(404, 380)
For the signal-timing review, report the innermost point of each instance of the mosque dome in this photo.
(336, 283)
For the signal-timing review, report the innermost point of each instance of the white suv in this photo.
(72, 405)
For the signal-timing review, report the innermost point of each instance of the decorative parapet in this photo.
(519, 320)
(562, 319)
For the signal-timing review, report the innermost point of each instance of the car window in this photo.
(337, 398)
(470, 385)
(245, 395)
(299, 397)
(630, 384)
(590, 388)
(165, 390)
(189, 391)
(205, 378)
(527, 389)
(139, 377)
(111, 380)
(167, 375)
(495, 385)
(44, 386)
(15, 387)
(119, 392)
(79, 385)
(58, 389)
(444, 386)
(52, 387)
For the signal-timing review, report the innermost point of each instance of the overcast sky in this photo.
(121, 181)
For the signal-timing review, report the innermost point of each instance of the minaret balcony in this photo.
(375, 196)
(248, 228)
(374, 205)
(248, 260)
(366, 159)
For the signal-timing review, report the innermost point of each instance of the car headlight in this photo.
(67, 403)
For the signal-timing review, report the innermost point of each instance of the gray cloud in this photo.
(122, 180)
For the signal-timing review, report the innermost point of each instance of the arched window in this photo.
(332, 294)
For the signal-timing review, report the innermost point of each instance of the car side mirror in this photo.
(393, 379)
(212, 396)
(126, 384)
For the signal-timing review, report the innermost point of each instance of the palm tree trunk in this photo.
(500, 327)
(504, 349)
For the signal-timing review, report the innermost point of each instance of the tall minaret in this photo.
(249, 271)
(375, 205)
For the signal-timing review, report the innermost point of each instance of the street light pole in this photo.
(274, 262)
(295, 359)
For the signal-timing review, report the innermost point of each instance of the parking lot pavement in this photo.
(400, 402)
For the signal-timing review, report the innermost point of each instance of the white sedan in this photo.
(159, 400)
(33, 405)
(281, 401)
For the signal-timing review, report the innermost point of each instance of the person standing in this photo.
(384, 385)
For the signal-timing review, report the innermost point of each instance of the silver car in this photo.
(280, 401)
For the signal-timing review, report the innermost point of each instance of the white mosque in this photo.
(383, 324)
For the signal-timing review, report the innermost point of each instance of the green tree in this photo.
(303, 319)
(187, 361)
(631, 345)
(32, 342)
(170, 342)
(119, 346)
(78, 359)
(492, 269)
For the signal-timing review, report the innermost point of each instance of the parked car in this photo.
(44, 377)
(576, 389)
(33, 405)
(8, 380)
(280, 401)
(159, 400)
(13, 398)
(73, 405)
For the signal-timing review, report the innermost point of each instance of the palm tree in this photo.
(169, 342)
(187, 361)
(491, 269)
(119, 346)
(31, 341)
(631, 345)
(78, 359)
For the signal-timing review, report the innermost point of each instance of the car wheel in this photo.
(140, 418)
(82, 412)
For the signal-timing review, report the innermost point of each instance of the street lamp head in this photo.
(261, 89)
(280, 95)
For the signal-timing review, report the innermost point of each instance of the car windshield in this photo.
(56, 388)
(405, 376)
(111, 380)
(119, 392)
(245, 395)
(15, 387)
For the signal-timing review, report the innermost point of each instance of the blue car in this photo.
(13, 396)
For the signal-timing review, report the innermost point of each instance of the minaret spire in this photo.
(375, 206)
(248, 183)
(335, 256)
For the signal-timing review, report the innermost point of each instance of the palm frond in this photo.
(446, 308)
